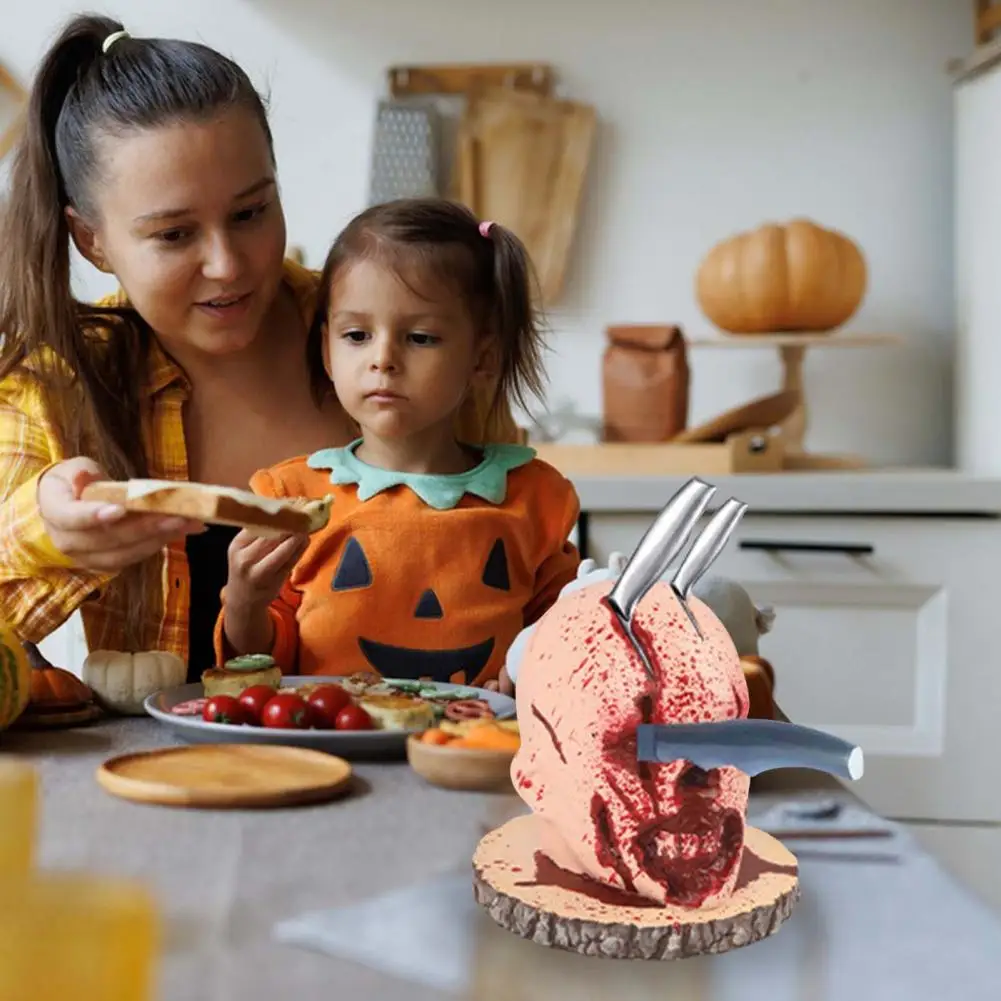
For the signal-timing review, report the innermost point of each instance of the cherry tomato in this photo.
(254, 699)
(353, 717)
(327, 701)
(286, 712)
(225, 709)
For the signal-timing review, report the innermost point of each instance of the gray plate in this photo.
(346, 743)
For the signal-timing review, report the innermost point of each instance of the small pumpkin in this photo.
(794, 277)
(53, 687)
(15, 678)
(121, 681)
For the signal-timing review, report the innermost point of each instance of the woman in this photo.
(155, 157)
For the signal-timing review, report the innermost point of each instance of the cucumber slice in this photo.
(251, 662)
(405, 685)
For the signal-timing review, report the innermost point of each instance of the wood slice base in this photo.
(579, 915)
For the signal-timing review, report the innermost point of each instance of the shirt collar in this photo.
(162, 370)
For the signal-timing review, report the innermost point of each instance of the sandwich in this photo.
(241, 673)
(267, 516)
(398, 712)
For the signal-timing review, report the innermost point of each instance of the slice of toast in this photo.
(215, 505)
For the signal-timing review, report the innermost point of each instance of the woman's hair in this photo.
(434, 240)
(81, 93)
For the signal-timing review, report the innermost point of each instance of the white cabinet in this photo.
(887, 633)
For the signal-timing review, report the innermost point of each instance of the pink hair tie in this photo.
(485, 229)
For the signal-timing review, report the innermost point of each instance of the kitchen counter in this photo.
(865, 930)
(885, 491)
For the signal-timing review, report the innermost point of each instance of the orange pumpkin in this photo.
(793, 277)
(54, 687)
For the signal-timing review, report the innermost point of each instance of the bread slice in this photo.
(398, 712)
(215, 504)
(240, 674)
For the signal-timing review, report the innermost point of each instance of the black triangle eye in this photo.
(495, 572)
(353, 570)
(428, 606)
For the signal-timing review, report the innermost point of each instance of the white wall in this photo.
(715, 117)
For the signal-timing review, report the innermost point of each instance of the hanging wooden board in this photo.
(226, 776)
(521, 161)
(407, 81)
(13, 103)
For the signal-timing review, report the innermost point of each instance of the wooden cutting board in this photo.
(759, 414)
(226, 776)
(521, 162)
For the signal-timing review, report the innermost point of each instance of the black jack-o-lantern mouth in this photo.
(438, 665)
(393, 661)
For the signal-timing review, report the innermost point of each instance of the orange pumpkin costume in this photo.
(420, 576)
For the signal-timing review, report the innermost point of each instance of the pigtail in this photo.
(516, 320)
(35, 289)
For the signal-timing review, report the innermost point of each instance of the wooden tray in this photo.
(571, 914)
(226, 776)
(58, 719)
(747, 452)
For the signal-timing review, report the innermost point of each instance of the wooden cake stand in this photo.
(525, 893)
(792, 349)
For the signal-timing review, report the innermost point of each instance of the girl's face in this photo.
(401, 362)
(190, 222)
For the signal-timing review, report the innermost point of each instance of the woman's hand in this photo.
(99, 536)
(258, 567)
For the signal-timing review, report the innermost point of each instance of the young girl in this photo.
(438, 551)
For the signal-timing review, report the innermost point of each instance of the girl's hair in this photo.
(81, 93)
(432, 239)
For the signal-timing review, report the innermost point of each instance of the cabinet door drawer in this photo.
(861, 629)
(886, 633)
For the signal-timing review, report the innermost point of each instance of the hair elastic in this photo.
(485, 229)
(112, 38)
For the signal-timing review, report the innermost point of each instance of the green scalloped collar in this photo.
(438, 490)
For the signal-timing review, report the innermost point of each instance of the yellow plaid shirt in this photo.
(40, 588)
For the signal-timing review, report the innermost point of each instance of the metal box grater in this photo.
(405, 152)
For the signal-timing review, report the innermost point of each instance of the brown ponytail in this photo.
(93, 380)
(490, 269)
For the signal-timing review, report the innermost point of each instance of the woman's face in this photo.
(189, 220)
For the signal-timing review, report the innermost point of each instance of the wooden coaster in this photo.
(563, 910)
(58, 719)
(226, 776)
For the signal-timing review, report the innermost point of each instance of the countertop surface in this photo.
(885, 491)
(864, 930)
